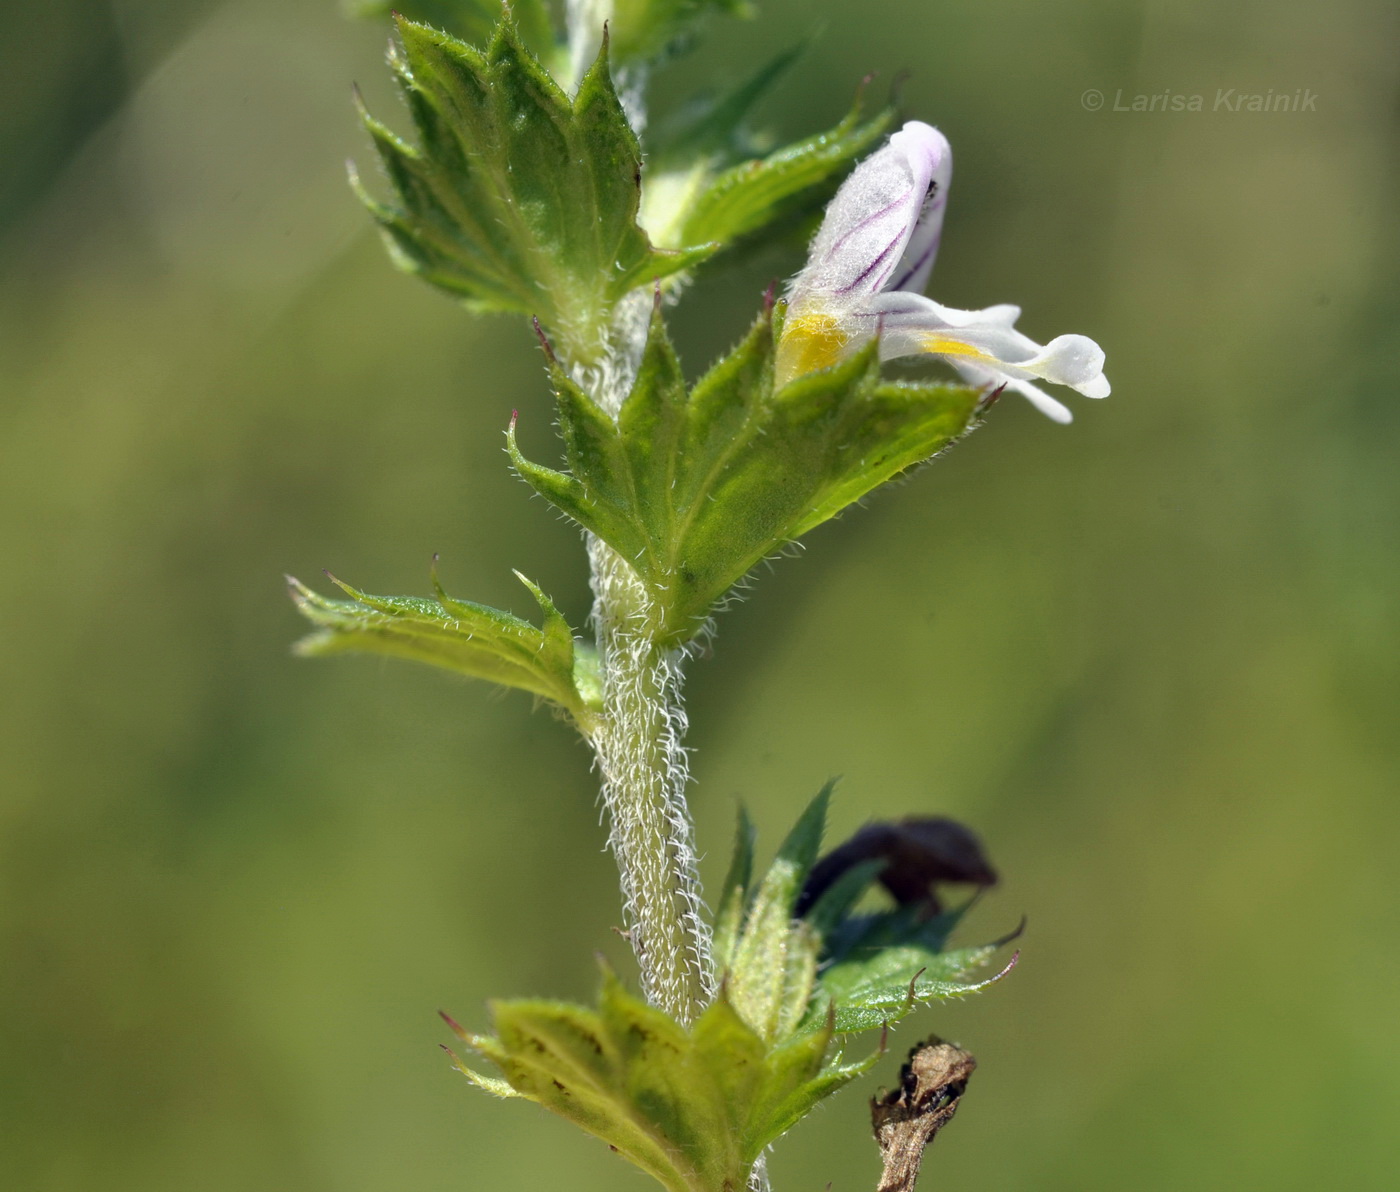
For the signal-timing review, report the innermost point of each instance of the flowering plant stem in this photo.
(638, 742)
(639, 739)
(525, 196)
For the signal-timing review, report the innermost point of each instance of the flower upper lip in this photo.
(866, 271)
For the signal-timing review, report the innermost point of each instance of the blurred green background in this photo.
(1152, 658)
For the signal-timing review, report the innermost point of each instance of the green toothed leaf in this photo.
(564, 1058)
(693, 1107)
(792, 1093)
(733, 899)
(472, 21)
(712, 179)
(773, 971)
(715, 128)
(471, 639)
(793, 181)
(516, 198)
(882, 1004)
(879, 968)
(694, 489)
(830, 970)
(487, 1084)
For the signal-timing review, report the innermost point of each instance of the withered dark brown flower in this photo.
(919, 854)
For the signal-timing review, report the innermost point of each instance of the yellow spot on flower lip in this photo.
(812, 340)
(816, 339)
(941, 345)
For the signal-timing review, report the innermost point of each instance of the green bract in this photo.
(882, 967)
(767, 957)
(474, 21)
(692, 1107)
(693, 488)
(517, 195)
(696, 1107)
(471, 639)
(517, 198)
(643, 31)
(791, 182)
(710, 180)
(830, 969)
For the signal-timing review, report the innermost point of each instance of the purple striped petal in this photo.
(865, 237)
(913, 270)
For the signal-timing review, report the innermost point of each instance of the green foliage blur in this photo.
(1153, 659)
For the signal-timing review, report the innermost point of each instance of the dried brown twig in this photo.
(907, 1118)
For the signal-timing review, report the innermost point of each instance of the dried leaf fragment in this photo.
(907, 1118)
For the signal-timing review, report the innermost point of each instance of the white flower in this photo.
(869, 264)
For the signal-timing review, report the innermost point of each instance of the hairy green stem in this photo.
(643, 764)
(638, 737)
(639, 743)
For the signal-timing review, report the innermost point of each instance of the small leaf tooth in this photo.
(457, 1061)
(913, 985)
(487, 1084)
(455, 1027)
(544, 340)
(991, 399)
(1010, 964)
(343, 586)
(438, 589)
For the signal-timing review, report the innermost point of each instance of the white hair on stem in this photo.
(645, 769)
(639, 743)
(639, 740)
